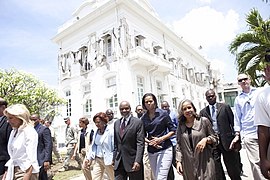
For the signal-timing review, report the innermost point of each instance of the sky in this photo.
(27, 28)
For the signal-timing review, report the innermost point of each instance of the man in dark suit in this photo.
(5, 130)
(128, 145)
(222, 119)
(44, 149)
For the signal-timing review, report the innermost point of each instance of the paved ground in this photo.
(246, 167)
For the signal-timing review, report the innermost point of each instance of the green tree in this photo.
(251, 47)
(20, 87)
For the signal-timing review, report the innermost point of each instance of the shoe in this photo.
(62, 169)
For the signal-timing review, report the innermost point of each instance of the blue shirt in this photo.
(244, 114)
(159, 126)
(174, 119)
(37, 126)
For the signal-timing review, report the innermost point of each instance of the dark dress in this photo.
(196, 165)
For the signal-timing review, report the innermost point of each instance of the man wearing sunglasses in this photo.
(244, 123)
(262, 119)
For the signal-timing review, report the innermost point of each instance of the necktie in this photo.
(122, 127)
(213, 112)
(214, 119)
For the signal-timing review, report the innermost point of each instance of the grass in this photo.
(66, 175)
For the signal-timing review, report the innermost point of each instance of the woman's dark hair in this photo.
(154, 98)
(84, 120)
(103, 117)
(181, 116)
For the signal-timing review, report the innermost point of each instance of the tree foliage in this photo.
(20, 87)
(251, 47)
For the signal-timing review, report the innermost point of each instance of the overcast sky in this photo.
(27, 27)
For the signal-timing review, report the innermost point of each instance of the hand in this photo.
(46, 165)
(86, 163)
(265, 168)
(201, 145)
(155, 141)
(136, 166)
(235, 140)
(179, 167)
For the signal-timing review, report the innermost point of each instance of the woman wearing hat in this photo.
(22, 145)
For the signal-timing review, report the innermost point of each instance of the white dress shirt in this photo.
(22, 149)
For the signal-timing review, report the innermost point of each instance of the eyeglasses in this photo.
(240, 80)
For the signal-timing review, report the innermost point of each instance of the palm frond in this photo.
(254, 19)
(250, 47)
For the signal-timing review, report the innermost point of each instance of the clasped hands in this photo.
(155, 142)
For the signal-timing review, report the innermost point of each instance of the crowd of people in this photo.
(149, 145)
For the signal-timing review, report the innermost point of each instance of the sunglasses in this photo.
(240, 80)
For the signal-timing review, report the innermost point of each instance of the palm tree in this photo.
(251, 47)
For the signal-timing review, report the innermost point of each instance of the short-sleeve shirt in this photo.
(262, 108)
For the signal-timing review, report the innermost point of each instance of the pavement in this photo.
(247, 175)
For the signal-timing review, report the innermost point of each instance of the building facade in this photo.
(228, 92)
(115, 50)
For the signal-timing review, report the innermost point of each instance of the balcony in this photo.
(141, 57)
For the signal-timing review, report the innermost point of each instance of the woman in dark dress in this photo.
(195, 138)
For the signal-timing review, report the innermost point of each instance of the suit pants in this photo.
(42, 174)
(161, 162)
(231, 161)
(252, 150)
(2, 167)
(122, 174)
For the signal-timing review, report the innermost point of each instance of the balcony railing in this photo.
(141, 57)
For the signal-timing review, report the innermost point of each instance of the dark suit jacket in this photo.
(130, 147)
(44, 149)
(225, 123)
(5, 130)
